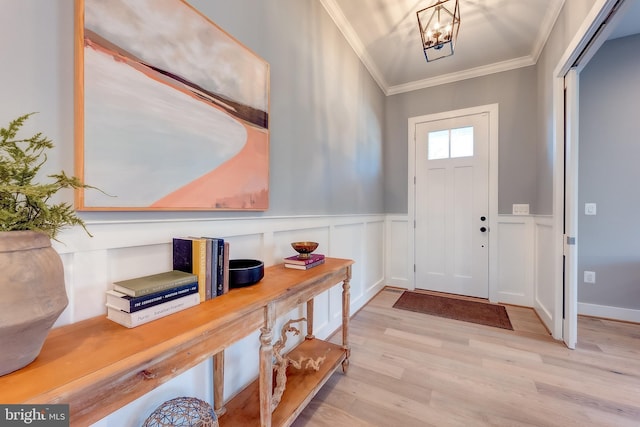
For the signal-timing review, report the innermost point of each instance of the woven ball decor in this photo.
(183, 412)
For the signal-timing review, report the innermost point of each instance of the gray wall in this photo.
(609, 175)
(515, 93)
(327, 113)
(569, 21)
(526, 117)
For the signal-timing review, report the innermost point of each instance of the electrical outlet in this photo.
(589, 277)
(520, 209)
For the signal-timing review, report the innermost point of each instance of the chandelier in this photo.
(439, 25)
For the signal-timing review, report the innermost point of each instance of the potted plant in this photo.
(32, 289)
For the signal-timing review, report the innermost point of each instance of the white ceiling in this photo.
(494, 35)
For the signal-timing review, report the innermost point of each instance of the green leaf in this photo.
(24, 205)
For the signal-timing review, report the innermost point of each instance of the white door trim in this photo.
(582, 44)
(570, 325)
(492, 110)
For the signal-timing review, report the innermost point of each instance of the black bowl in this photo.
(245, 272)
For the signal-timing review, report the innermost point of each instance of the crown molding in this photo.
(335, 12)
(497, 67)
(545, 28)
(354, 41)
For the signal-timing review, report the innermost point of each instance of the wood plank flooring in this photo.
(410, 369)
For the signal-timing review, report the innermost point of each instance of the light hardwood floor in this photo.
(410, 369)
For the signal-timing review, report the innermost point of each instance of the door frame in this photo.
(492, 111)
(588, 39)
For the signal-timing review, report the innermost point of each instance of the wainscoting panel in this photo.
(545, 292)
(351, 238)
(250, 246)
(513, 283)
(511, 270)
(521, 273)
(396, 248)
(121, 250)
(374, 270)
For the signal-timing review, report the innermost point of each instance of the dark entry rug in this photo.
(454, 308)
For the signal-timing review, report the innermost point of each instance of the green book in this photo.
(154, 283)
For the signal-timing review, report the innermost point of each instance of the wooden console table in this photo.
(98, 366)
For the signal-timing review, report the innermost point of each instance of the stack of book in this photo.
(304, 264)
(208, 259)
(140, 300)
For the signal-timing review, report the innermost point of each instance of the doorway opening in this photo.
(605, 16)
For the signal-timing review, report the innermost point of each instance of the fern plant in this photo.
(24, 203)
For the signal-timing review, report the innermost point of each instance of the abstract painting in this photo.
(172, 113)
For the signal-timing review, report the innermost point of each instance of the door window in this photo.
(451, 143)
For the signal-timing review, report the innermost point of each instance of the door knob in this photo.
(483, 229)
(483, 218)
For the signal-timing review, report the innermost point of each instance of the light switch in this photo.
(589, 208)
(589, 277)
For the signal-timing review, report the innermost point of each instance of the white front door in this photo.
(452, 205)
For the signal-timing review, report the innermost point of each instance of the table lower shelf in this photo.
(302, 385)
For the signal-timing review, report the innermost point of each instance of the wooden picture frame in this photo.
(172, 113)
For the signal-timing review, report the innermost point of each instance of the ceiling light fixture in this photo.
(439, 25)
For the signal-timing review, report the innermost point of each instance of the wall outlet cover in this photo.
(521, 209)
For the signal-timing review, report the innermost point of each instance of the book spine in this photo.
(295, 260)
(220, 268)
(225, 274)
(304, 267)
(214, 267)
(153, 288)
(199, 251)
(131, 320)
(209, 282)
(133, 304)
(315, 264)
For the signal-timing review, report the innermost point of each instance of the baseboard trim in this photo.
(608, 312)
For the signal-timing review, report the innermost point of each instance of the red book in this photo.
(295, 260)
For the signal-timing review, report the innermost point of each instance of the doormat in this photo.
(453, 308)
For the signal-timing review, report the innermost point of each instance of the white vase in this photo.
(32, 296)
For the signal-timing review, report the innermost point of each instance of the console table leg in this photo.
(346, 308)
(218, 383)
(310, 320)
(266, 365)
